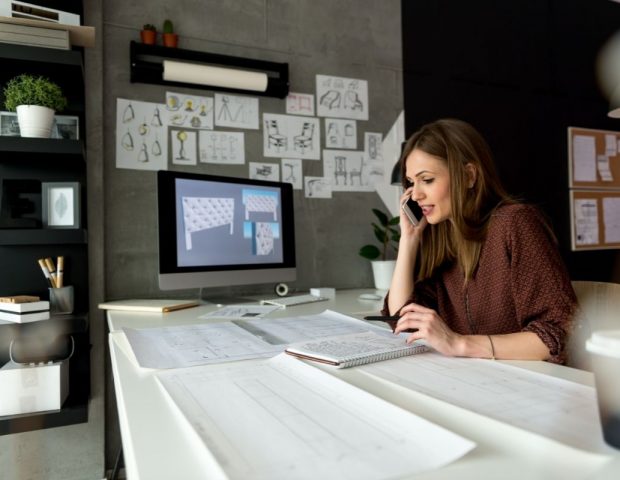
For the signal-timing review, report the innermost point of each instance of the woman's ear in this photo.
(471, 174)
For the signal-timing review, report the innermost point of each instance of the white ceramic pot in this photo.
(35, 121)
(383, 271)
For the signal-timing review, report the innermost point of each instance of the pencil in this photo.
(60, 264)
(52, 269)
(45, 271)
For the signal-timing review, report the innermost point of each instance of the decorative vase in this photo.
(148, 37)
(170, 39)
(382, 271)
(35, 121)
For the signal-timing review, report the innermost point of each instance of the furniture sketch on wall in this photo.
(356, 172)
(276, 139)
(261, 203)
(340, 169)
(352, 101)
(264, 171)
(304, 140)
(263, 238)
(202, 213)
(290, 176)
(330, 99)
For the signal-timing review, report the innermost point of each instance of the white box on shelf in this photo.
(33, 388)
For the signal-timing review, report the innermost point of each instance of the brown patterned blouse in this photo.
(520, 285)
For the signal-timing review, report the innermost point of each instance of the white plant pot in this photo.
(383, 271)
(35, 121)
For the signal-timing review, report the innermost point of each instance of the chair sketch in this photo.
(330, 99)
(304, 140)
(261, 203)
(202, 213)
(356, 172)
(275, 139)
(352, 101)
(340, 169)
(315, 185)
(264, 171)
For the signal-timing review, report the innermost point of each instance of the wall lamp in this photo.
(187, 68)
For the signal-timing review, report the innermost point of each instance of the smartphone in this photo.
(412, 210)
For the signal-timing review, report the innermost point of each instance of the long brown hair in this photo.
(457, 143)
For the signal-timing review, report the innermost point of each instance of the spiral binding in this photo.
(355, 360)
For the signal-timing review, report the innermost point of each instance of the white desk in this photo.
(158, 443)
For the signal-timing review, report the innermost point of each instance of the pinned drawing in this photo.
(291, 136)
(340, 133)
(141, 137)
(183, 146)
(190, 110)
(300, 104)
(317, 187)
(347, 170)
(342, 97)
(264, 171)
(373, 153)
(292, 172)
(221, 147)
(236, 111)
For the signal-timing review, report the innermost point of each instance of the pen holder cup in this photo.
(604, 349)
(61, 299)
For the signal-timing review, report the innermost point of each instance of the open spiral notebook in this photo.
(355, 349)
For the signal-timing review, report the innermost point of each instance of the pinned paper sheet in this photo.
(611, 218)
(584, 158)
(586, 221)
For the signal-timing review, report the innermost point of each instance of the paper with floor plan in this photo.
(283, 419)
(561, 410)
(189, 345)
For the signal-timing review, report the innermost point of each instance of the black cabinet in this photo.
(26, 164)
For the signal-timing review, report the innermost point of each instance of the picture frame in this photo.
(9, 127)
(60, 202)
(66, 127)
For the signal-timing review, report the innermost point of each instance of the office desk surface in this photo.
(158, 442)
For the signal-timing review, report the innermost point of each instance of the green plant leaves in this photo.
(30, 90)
(386, 235)
(370, 252)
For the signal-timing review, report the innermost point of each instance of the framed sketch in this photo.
(66, 127)
(60, 203)
(8, 124)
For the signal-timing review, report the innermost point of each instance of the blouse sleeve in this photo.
(544, 297)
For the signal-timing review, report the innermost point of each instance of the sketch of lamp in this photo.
(304, 140)
(330, 99)
(340, 169)
(181, 136)
(143, 156)
(202, 213)
(291, 173)
(261, 203)
(352, 101)
(273, 135)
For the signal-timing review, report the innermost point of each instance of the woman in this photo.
(480, 275)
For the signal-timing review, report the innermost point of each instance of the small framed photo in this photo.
(66, 127)
(8, 124)
(60, 202)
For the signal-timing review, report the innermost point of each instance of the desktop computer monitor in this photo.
(219, 231)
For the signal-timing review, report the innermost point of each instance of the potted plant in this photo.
(35, 99)
(388, 237)
(148, 35)
(170, 38)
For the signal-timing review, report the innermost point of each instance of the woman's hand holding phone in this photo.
(412, 219)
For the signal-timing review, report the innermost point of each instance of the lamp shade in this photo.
(614, 104)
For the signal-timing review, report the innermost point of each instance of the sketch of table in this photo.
(260, 203)
(202, 213)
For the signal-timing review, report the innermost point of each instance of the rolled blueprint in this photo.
(214, 76)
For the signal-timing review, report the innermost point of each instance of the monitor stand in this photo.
(223, 299)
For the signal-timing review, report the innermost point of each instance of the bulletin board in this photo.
(595, 220)
(593, 158)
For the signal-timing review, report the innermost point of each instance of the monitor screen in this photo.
(221, 231)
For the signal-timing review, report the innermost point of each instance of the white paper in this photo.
(183, 146)
(292, 172)
(602, 166)
(348, 171)
(584, 158)
(241, 311)
(191, 111)
(221, 147)
(611, 146)
(586, 221)
(141, 139)
(611, 219)
(562, 410)
(282, 419)
(291, 136)
(317, 187)
(235, 111)
(264, 171)
(342, 97)
(300, 104)
(340, 133)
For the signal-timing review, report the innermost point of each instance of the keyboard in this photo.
(293, 300)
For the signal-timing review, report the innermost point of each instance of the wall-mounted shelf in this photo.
(42, 236)
(147, 67)
(53, 146)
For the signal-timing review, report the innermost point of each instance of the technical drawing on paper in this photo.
(264, 171)
(347, 170)
(342, 97)
(300, 104)
(190, 110)
(317, 187)
(221, 147)
(235, 111)
(183, 145)
(291, 136)
(586, 221)
(292, 172)
(340, 133)
(373, 155)
(202, 213)
(141, 139)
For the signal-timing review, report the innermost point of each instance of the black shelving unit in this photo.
(25, 163)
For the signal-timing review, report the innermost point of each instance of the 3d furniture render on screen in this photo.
(261, 203)
(202, 213)
(263, 238)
